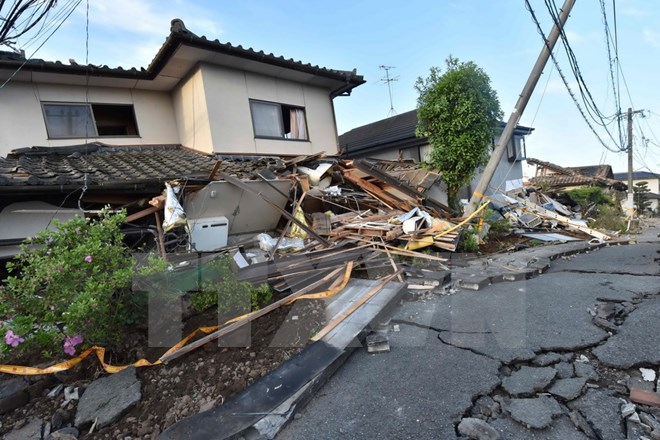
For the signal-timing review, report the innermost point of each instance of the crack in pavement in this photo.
(608, 272)
(439, 331)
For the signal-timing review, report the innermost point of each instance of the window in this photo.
(516, 149)
(65, 120)
(279, 121)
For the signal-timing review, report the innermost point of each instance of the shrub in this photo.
(588, 196)
(499, 225)
(609, 217)
(224, 290)
(469, 241)
(68, 285)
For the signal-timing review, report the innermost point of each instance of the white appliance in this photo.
(208, 234)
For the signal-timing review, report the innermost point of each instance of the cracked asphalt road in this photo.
(451, 350)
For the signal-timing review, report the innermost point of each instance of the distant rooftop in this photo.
(637, 175)
(398, 130)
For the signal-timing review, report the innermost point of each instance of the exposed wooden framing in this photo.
(161, 239)
(399, 251)
(273, 251)
(375, 190)
(141, 214)
(214, 171)
(364, 298)
(394, 266)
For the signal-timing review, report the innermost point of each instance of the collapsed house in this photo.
(552, 176)
(394, 138)
(544, 211)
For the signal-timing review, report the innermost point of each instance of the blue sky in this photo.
(412, 36)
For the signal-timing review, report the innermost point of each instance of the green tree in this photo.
(459, 113)
(640, 197)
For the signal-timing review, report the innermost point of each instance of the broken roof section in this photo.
(554, 176)
(181, 51)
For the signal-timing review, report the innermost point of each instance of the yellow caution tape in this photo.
(100, 351)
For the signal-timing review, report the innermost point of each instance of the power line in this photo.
(564, 80)
(611, 63)
(590, 104)
(77, 2)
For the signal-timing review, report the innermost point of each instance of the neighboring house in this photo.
(394, 139)
(208, 96)
(653, 181)
(553, 176)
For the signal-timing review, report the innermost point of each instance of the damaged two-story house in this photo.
(116, 131)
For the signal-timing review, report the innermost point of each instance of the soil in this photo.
(504, 243)
(198, 381)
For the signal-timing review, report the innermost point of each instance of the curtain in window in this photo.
(298, 126)
(267, 119)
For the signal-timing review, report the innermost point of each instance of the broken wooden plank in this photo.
(321, 223)
(375, 191)
(364, 298)
(214, 171)
(161, 236)
(141, 214)
(644, 397)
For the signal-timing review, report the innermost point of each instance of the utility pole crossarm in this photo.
(518, 110)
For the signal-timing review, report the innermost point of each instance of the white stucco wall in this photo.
(191, 113)
(228, 92)
(22, 123)
(654, 186)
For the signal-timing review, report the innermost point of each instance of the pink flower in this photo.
(51, 308)
(88, 258)
(70, 344)
(13, 339)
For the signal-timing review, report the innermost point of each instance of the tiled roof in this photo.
(99, 165)
(380, 133)
(560, 181)
(562, 177)
(637, 175)
(396, 131)
(178, 36)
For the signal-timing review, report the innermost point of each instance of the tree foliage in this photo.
(458, 112)
(640, 197)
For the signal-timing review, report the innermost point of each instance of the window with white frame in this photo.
(83, 120)
(278, 121)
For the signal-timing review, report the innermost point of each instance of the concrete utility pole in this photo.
(630, 202)
(518, 110)
(630, 153)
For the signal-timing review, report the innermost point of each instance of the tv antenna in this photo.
(388, 80)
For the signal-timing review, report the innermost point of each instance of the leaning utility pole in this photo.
(518, 110)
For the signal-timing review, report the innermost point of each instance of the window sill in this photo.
(275, 138)
(94, 137)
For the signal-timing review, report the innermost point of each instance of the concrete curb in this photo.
(521, 265)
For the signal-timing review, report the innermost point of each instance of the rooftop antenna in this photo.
(388, 80)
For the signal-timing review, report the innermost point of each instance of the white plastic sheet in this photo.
(174, 216)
